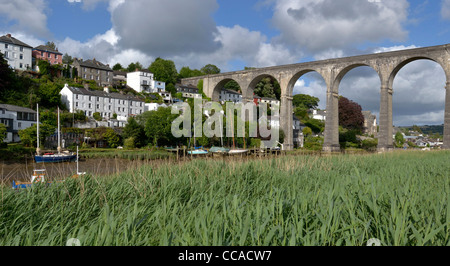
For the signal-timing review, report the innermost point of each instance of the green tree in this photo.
(186, 72)
(158, 126)
(399, 140)
(305, 101)
(232, 85)
(136, 131)
(133, 66)
(265, 88)
(117, 67)
(112, 138)
(97, 116)
(67, 59)
(28, 136)
(210, 69)
(307, 131)
(51, 45)
(164, 70)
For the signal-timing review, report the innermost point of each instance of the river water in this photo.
(99, 167)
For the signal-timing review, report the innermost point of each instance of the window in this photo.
(6, 54)
(6, 46)
(21, 49)
(42, 54)
(90, 106)
(98, 106)
(21, 65)
(49, 55)
(90, 98)
(76, 104)
(56, 56)
(98, 99)
(21, 56)
(19, 125)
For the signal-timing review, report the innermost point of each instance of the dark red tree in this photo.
(350, 115)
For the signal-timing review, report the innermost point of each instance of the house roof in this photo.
(94, 64)
(95, 93)
(11, 40)
(232, 92)
(45, 48)
(15, 108)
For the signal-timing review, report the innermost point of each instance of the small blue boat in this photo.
(55, 158)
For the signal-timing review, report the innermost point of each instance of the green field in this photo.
(400, 198)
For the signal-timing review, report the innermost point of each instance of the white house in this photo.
(16, 53)
(230, 96)
(270, 101)
(154, 106)
(103, 102)
(319, 115)
(16, 118)
(143, 81)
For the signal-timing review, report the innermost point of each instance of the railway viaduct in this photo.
(387, 65)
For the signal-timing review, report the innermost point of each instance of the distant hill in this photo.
(429, 130)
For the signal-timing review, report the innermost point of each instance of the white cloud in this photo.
(26, 16)
(319, 26)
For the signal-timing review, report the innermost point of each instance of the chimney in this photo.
(8, 35)
(106, 89)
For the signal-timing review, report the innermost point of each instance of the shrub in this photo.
(129, 143)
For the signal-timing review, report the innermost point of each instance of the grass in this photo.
(400, 198)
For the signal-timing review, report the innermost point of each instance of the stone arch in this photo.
(342, 73)
(219, 86)
(298, 75)
(248, 92)
(405, 62)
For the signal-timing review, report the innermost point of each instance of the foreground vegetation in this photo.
(400, 198)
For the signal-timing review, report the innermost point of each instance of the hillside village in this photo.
(108, 98)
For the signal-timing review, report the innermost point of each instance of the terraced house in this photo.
(103, 102)
(17, 53)
(43, 52)
(94, 70)
(16, 118)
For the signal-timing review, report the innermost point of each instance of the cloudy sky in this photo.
(233, 34)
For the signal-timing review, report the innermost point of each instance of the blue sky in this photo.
(233, 34)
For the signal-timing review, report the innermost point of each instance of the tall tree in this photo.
(210, 69)
(117, 67)
(350, 115)
(158, 126)
(305, 101)
(67, 59)
(51, 45)
(132, 67)
(135, 131)
(164, 70)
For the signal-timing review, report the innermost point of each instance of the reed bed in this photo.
(402, 199)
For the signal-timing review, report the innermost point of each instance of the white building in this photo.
(16, 53)
(143, 81)
(154, 106)
(103, 102)
(319, 115)
(230, 96)
(16, 118)
(270, 101)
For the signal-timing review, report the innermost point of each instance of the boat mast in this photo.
(59, 134)
(38, 150)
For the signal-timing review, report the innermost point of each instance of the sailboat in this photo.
(197, 150)
(39, 176)
(50, 157)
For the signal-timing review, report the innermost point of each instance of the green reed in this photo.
(402, 199)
